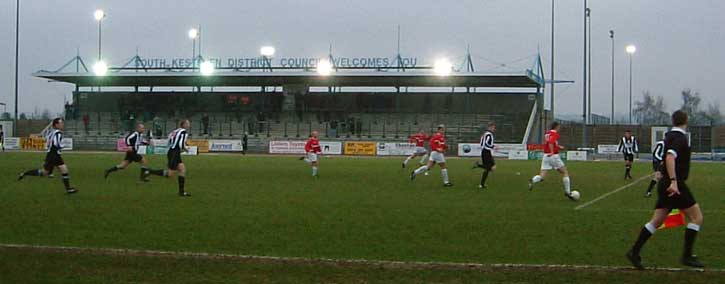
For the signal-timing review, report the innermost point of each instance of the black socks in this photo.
(484, 176)
(66, 181)
(182, 180)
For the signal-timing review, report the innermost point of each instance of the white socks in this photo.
(422, 159)
(651, 228)
(567, 184)
(692, 226)
(444, 173)
(420, 170)
(537, 178)
(406, 161)
(308, 161)
(314, 171)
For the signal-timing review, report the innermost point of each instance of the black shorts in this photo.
(133, 156)
(629, 157)
(656, 166)
(174, 158)
(682, 201)
(487, 160)
(52, 160)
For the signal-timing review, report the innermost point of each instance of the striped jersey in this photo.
(628, 146)
(177, 139)
(658, 153)
(134, 140)
(487, 141)
(53, 141)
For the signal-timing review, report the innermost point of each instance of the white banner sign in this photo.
(576, 155)
(519, 155)
(67, 144)
(331, 148)
(298, 147)
(474, 149)
(159, 142)
(142, 150)
(11, 143)
(225, 145)
(395, 149)
(607, 149)
(190, 151)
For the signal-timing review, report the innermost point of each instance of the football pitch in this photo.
(264, 219)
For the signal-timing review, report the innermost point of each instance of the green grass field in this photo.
(359, 208)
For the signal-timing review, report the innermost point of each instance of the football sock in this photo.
(652, 184)
(628, 168)
(406, 161)
(567, 184)
(182, 181)
(690, 235)
(161, 173)
(422, 159)
(537, 178)
(420, 170)
(644, 235)
(484, 176)
(36, 173)
(314, 171)
(66, 181)
(444, 173)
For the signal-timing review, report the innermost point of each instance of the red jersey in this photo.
(313, 145)
(551, 141)
(418, 139)
(438, 143)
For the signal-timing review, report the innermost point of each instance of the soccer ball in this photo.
(575, 194)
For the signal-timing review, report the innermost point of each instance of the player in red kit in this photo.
(312, 150)
(419, 140)
(438, 148)
(552, 160)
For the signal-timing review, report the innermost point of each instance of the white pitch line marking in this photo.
(595, 200)
(330, 261)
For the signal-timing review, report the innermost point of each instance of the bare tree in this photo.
(712, 113)
(691, 104)
(650, 110)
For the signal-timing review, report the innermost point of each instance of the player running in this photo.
(419, 140)
(438, 148)
(487, 162)
(177, 144)
(53, 158)
(312, 150)
(657, 155)
(2, 138)
(628, 147)
(552, 160)
(134, 140)
(673, 193)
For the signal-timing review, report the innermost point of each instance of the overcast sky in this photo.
(680, 43)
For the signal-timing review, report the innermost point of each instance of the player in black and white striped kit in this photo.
(53, 159)
(177, 144)
(658, 154)
(134, 140)
(628, 146)
(487, 146)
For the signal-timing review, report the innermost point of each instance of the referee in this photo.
(487, 146)
(673, 193)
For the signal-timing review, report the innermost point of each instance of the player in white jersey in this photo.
(134, 141)
(628, 146)
(53, 159)
(177, 144)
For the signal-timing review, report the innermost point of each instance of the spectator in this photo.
(205, 123)
(86, 122)
(244, 143)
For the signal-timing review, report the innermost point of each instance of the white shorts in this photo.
(420, 151)
(552, 162)
(437, 157)
(312, 157)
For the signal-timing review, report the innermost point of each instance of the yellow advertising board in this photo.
(360, 148)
